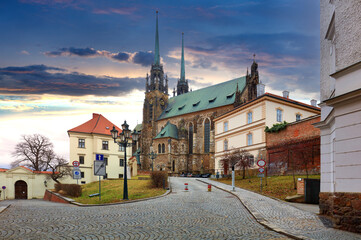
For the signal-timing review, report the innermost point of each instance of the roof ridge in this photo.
(96, 123)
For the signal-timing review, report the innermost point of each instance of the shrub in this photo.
(159, 178)
(72, 190)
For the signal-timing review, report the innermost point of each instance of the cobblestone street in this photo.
(196, 214)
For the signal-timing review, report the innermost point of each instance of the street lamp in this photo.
(123, 141)
(152, 156)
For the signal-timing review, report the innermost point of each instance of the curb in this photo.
(258, 217)
(3, 208)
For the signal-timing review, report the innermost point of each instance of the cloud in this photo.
(144, 59)
(42, 79)
(120, 11)
(25, 52)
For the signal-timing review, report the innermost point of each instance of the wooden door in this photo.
(21, 190)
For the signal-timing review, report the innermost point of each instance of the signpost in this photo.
(99, 169)
(261, 164)
(3, 187)
(76, 171)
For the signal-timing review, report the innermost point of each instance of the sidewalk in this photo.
(285, 218)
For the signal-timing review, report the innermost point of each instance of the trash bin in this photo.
(312, 190)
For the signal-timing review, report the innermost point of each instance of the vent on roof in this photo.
(196, 104)
(168, 110)
(107, 128)
(230, 95)
(212, 100)
(181, 107)
(162, 134)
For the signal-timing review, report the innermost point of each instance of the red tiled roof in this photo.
(98, 124)
(44, 172)
(3, 169)
(292, 101)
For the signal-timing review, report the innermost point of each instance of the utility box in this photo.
(312, 190)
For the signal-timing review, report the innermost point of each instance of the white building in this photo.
(243, 127)
(341, 111)
(94, 137)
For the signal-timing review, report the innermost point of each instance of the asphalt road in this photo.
(192, 214)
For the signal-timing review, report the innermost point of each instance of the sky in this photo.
(62, 60)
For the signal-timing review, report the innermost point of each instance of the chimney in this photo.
(314, 102)
(260, 89)
(286, 94)
(96, 115)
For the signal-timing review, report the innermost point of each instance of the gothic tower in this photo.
(182, 86)
(156, 100)
(252, 80)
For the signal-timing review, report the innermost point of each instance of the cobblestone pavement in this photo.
(286, 217)
(196, 214)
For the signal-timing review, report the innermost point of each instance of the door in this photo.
(21, 190)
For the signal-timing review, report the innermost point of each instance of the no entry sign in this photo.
(261, 163)
(76, 163)
(261, 170)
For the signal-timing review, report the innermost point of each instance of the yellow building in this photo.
(243, 127)
(24, 183)
(94, 137)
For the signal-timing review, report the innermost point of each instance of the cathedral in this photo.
(180, 129)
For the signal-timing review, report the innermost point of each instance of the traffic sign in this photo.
(4, 187)
(99, 168)
(261, 163)
(76, 174)
(99, 157)
(76, 163)
(261, 170)
(261, 175)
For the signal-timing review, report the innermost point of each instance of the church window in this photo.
(249, 139)
(159, 148)
(225, 146)
(163, 148)
(298, 117)
(249, 117)
(151, 111)
(207, 131)
(190, 141)
(279, 115)
(225, 126)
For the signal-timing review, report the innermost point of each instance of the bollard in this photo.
(186, 186)
(209, 188)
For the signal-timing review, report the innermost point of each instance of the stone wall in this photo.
(343, 208)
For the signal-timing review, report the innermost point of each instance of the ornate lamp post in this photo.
(152, 156)
(123, 141)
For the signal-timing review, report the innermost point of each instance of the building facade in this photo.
(189, 114)
(244, 126)
(94, 137)
(340, 123)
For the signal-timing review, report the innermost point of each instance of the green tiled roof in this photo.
(206, 98)
(138, 128)
(169, 130)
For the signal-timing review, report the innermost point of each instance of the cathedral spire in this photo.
(156, 50)
(183, 74)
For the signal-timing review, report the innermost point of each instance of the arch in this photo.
(21, 190)
(163, 148)
(159, 148)
(207, 135)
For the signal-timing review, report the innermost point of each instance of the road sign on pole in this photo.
(99, 168)
(99, 157)
(261, 163)
(76, 173)
(76, 163)
(261, 170)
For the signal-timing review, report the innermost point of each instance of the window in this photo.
(251, 160)
(225, 145)
(81, 159)
(163, 148)
(159, 148)
(298, 117)
(82, 182)
(121, 162)
(82, 174)
(190, 139)
(120, 175)
(121, 148)
(150, 112)
(207, 130)
(106, 161)
(105, 145)
(279, 115)
(225, 126)
(106, 176)
(249, 139)
(249, 117)
(81, 143)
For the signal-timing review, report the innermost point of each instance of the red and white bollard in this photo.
(186, 186)
(209, 188)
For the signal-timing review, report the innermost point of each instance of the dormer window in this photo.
(212, 100)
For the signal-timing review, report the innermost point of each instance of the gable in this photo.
(206, 98)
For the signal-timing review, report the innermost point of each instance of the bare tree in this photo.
(36, 152)
(235, 158)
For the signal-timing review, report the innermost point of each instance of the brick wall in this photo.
(294, 149)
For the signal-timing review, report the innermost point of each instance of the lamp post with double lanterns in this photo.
(124, 136)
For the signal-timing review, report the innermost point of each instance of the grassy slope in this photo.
(112, 191)
(277, 186)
